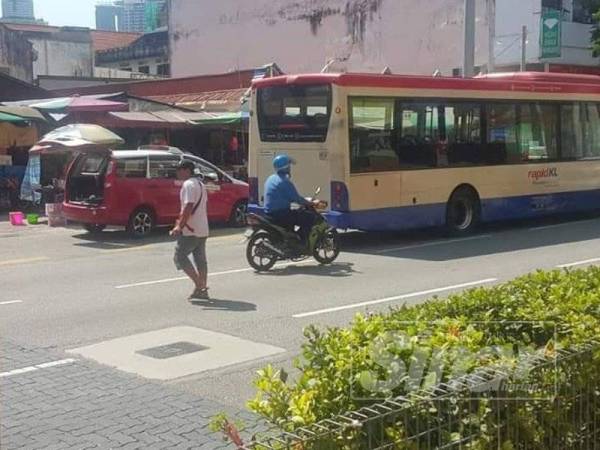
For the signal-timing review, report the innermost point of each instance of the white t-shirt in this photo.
(191, 192)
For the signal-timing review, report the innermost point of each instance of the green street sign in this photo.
(551, 35)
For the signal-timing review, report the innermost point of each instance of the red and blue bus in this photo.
(397, 152)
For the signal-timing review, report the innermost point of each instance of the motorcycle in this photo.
(269, 243)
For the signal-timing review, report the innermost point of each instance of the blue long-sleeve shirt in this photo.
(280, 193)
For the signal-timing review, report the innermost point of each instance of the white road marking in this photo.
(214, 274)
(578, 263)
(12, 302)
(11, 262)
(433, 244)
(399, 297)
(150, 283)
(61, 362)
(17, 372)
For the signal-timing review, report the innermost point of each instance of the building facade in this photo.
(411, 36)
(148, 55)
(133, 16)
(21, 10)
(109, 16)
(16, 55)
(66, 51)
(141, 15)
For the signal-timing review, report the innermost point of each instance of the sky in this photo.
(79, 13)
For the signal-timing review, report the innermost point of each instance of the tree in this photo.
(593, 6)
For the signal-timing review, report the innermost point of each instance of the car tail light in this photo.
(339, 196)
(253, 185)
(110, 174)
(111, 168)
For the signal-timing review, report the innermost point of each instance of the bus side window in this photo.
(440, 134)
(580, 131)
(538, 131)
(502, 132)
(418, 132)
(463, 131)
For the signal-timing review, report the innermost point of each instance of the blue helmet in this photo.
(282, 163)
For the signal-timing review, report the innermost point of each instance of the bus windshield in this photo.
(294, 113)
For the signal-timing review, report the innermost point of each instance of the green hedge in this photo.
(335, 364)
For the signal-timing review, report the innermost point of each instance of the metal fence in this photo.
(483, 410)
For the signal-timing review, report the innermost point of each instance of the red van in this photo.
(138, 189)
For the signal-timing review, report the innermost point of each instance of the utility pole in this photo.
(469, 50)
(524, 49)
(491, 13)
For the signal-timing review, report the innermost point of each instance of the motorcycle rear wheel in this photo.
(327, 248)
(260, 257)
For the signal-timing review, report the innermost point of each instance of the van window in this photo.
(163, 167)
(131, 168)
(92, 164)
(206, 171)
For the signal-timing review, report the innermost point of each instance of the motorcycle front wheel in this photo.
(327, 248)
(258, 254)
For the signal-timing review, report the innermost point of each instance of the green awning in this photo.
(23, 112)
(4, 117)
(218, 119)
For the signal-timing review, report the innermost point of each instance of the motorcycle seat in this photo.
(265, 221)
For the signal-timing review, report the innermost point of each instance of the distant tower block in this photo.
(18, 10)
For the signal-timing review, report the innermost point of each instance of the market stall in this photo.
(19, 128)
(227, 139)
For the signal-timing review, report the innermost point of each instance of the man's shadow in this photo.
(224, 305)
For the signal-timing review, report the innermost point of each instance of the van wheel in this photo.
(238, 214)
(93, 228)
(141, 223)
(463, 212)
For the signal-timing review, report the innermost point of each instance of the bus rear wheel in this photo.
(463, 212)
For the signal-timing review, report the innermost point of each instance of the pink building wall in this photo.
(409, 36)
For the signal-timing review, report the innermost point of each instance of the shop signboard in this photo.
(551, 33)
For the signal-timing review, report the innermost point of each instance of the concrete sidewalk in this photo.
(56, 401)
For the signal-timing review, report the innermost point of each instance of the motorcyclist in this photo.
(280, 194)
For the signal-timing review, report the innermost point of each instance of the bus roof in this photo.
(542, 82)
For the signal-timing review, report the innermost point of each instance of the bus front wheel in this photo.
(463, 212)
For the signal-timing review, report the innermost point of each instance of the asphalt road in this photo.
(63, 289)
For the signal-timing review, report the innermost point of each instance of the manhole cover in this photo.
(172, 350)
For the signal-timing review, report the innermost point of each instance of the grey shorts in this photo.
(191, 245)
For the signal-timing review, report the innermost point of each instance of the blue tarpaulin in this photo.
(32, 179)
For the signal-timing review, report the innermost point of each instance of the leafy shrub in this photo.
(547, 310)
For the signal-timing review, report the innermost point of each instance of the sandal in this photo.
(200, 294)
